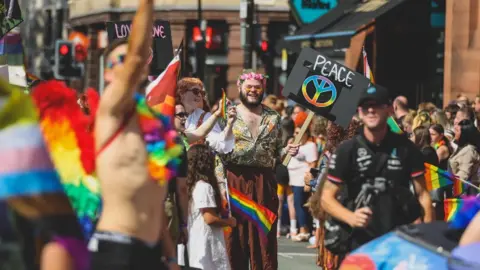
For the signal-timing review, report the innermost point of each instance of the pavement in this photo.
(295, 256)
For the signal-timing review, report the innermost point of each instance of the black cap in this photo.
(376, 93)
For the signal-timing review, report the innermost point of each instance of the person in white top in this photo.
(206, 246)
(299, 165)
(191, 93)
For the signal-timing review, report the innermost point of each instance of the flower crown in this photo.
(251, 75)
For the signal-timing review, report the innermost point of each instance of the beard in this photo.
(247, 103)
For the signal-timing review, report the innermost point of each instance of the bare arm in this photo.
(212, 219)
(118, 95)
(424, 198)
(202, 131)
(331, 205)
(182, 198)
(472, 233)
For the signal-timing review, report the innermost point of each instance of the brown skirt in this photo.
(244, 246)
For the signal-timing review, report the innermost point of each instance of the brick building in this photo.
(223, 63)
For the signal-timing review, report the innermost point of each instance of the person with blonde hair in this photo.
(439, 118)
(407, 122)
(422, 119)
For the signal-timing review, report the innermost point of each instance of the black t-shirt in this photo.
(181, 172)
(430, 155)
(348, 168)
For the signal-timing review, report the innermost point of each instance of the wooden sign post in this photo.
(299, 136)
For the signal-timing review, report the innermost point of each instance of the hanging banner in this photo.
(162, 49)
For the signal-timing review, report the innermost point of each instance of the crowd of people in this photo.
(319, 196)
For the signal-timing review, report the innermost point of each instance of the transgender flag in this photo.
(25, 165)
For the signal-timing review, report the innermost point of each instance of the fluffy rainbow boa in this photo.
(71, 146)
(164, 146)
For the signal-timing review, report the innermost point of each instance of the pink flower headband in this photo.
(250, 75)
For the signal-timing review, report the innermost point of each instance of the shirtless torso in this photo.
(252, 118)
(132, 202)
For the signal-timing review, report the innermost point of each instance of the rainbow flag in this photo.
(164, 147)
(436, 178)
(366, 67)
(394, 126)
(459, 212)
(253, 212)
(26, 168)
(224, 105)
(458, 187)
(71, 146)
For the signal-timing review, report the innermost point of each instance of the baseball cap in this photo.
(376, 93)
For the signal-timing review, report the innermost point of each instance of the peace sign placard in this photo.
(325, 86)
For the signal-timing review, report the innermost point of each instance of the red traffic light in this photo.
(264, 46)
(64, 50)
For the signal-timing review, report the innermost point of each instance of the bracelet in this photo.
(172, 260)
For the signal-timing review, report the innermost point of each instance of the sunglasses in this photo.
(196, 91)
(119, 60)
(256, 87)
(182, 115)
(367, 106)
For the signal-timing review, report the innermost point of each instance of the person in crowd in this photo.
(191, 93)
(288, 112)
(348, 171)
(422, 119)
(318, 129)
(125, 236)
(427, 107)
(271, 102)
(400, 108)
(283, 187)
(441, 145)
(471, 235)
(281, 106)
(439, 117)
(299, 165)
(463, 100)
(206, 245)
(465, 161)
(407, 122)
(297, 109)
(249, 169)
(464, 113)
(451, 112)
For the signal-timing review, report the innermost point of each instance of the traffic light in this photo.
(66, 64)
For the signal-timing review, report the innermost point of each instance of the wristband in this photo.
(172, 260)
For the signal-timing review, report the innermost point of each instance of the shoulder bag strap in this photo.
(200, 120)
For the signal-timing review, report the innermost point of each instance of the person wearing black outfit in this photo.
(368, 192)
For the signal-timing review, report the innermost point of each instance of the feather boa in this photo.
(71, 145)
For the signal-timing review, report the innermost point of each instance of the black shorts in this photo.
(114, 251)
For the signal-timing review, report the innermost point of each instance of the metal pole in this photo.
(249, 33)
(201, 44)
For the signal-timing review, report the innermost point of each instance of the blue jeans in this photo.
(299, 199)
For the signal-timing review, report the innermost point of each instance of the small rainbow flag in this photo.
(253, 212)
(436, 178)
(224, 104)
(451, 207)
(458, 187)
(366, 67)
(394, 126)
(459, 212)
(25, 165)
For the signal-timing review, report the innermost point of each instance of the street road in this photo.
(295, 256)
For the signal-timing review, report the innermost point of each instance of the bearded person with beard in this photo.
(249, 169)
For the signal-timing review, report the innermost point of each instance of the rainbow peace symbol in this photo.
(322, 85)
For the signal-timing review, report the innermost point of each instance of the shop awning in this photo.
(334, 30)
